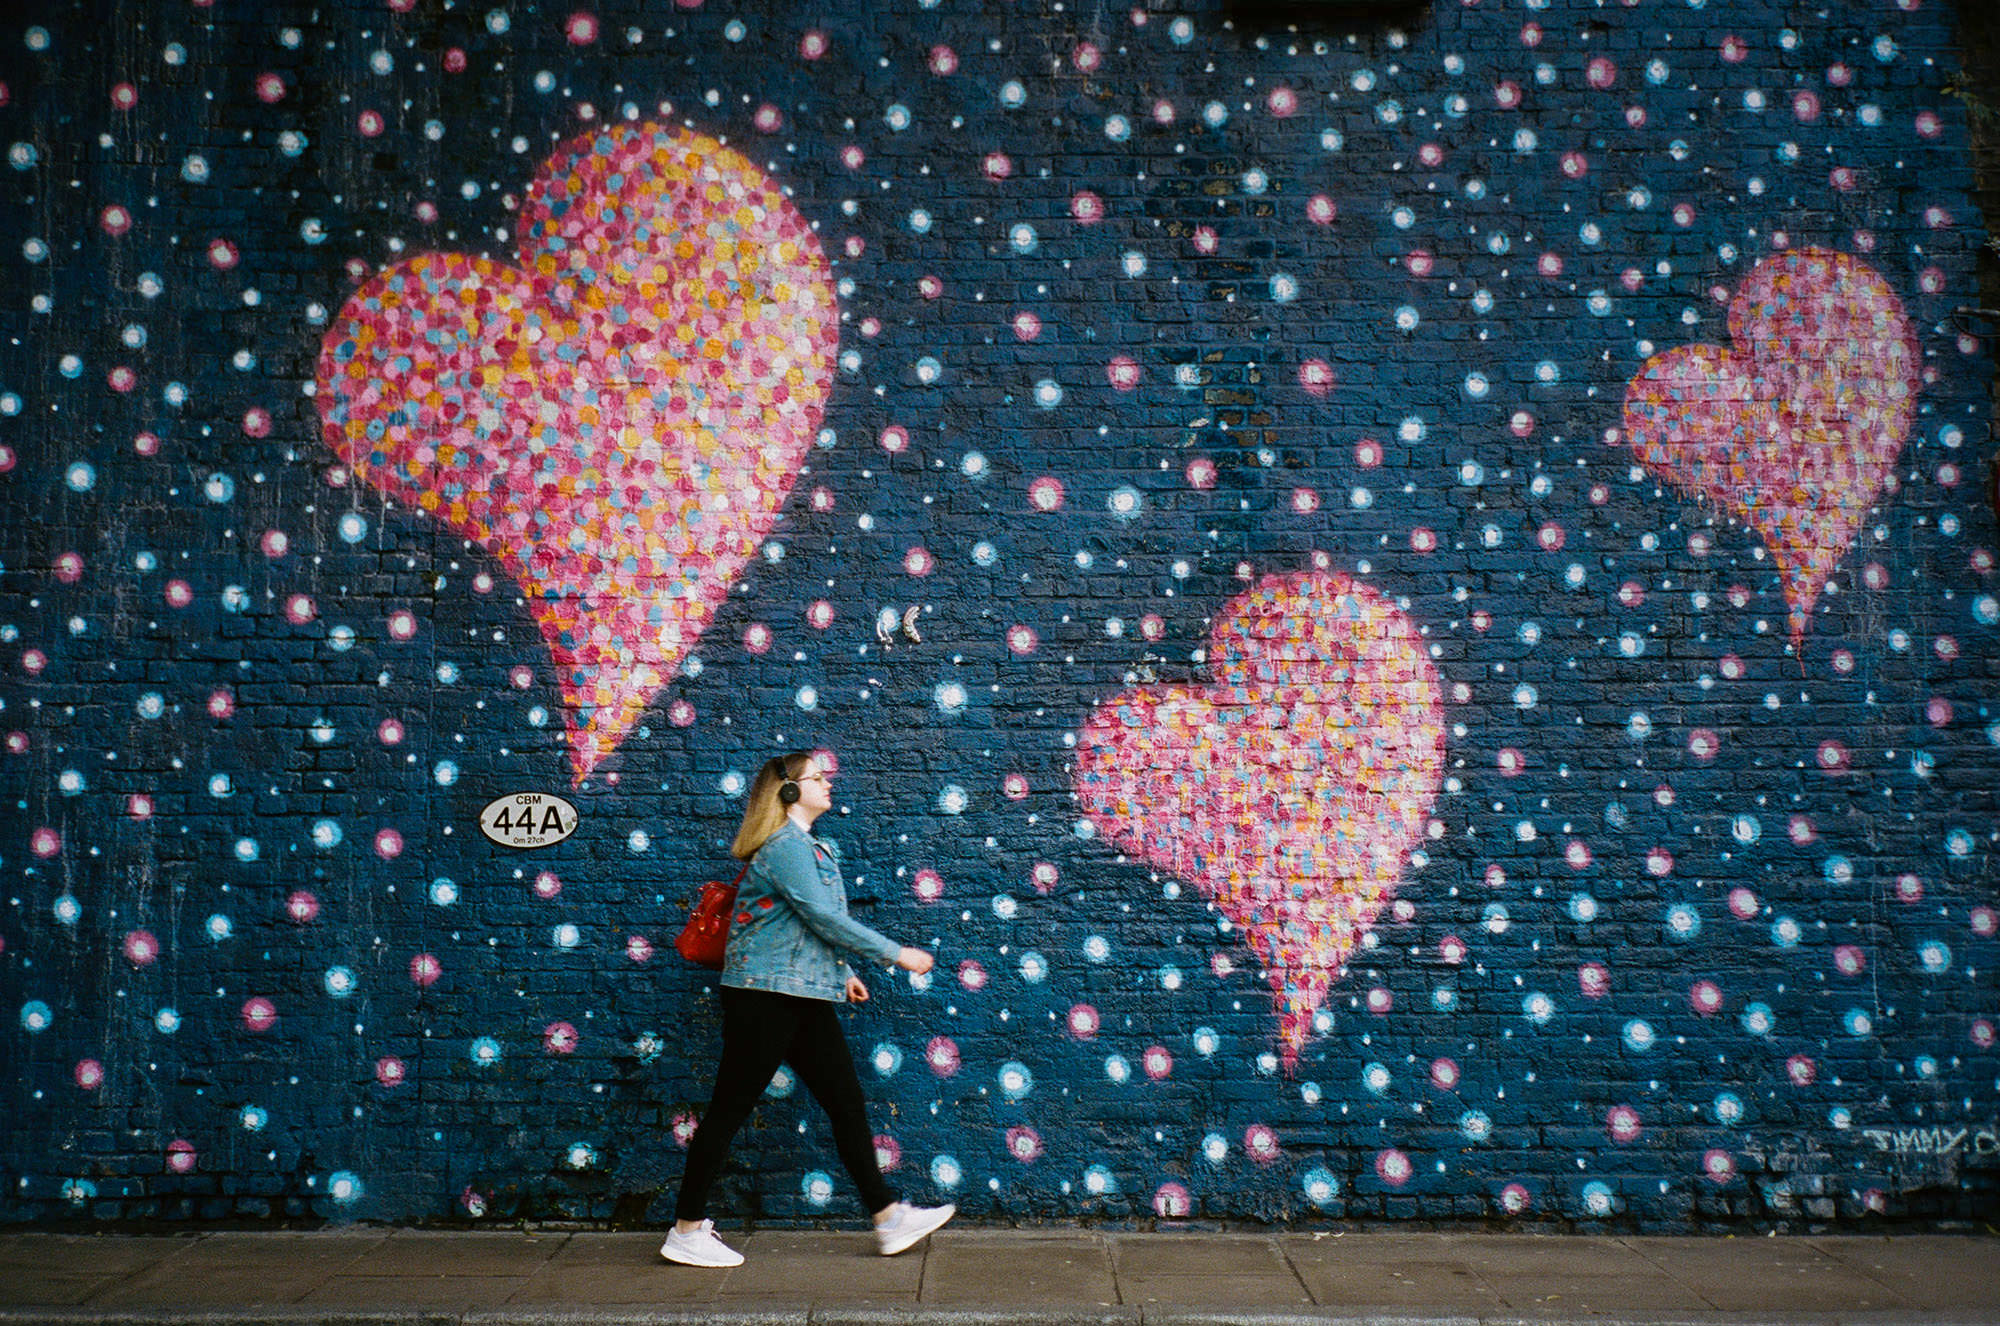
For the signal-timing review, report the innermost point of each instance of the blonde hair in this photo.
(763, 812)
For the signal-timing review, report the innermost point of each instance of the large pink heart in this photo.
(1796, 426)
(617, 417)
(1291, 788)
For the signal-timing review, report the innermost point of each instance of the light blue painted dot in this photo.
(1048, 393)
(1099, 1181)
(445, 774)
(1475, 1126)
(167, 1021)
(1857, 1022)
(1582, 907)
(253, 1118)
(485, 1051)
(247, 849)
(817, 1185)
(952, 799)
(946, 1172)
(339, 981)
(1598, 1199)
(1034, 967)
(1319, 1185)
(566, 935)
(327, 834)
(886, 1058)
(781, 1084)
(219, 927)
(353, 527)
(920, 221)
(1016, 1082)
(1022, 237)
(1935, 955)
(897, 117)
(1758, 1019)
(1958, 844)
(1012, 95)
(444, 892)
(194, 169)
(345, 1186)
(219, 487)
(81, 476)
(67, 909)
(1727, 1109)
(36, 1016)
(1683, 921)
(1639, 1035)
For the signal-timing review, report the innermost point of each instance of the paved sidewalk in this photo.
(1038, 1277)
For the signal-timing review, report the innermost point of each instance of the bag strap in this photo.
(739, 875)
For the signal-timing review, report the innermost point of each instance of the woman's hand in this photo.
(856, 991)
(915, 960)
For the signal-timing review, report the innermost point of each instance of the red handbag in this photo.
(705, 938)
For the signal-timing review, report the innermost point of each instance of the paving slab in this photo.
(455, 1293)
(967, 1268)
(841, 1267)
(1216, 1292)
(89, 1254)
(1622, 1294)
(1195, 1254)
(1766, 1275)
(1927, 1271)
(469, 1253)
(638, 1285)
(22, 1286)
(1405, 1272)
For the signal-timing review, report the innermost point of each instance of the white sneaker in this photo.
(909, 1225)
(701, 1248)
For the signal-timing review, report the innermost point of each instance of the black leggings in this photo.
(759, 1029)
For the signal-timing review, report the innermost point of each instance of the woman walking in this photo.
(780, 981)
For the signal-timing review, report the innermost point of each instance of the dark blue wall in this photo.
(1679, 663)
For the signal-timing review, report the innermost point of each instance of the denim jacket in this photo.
(792, 928)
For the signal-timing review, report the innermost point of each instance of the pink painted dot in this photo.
(996, 166)
(930, 287)
(1419, 262)
(522, 676)
(139, 806)
(1123, 372)
(1704, 743)
(1576, 854)
(546, 885)
(1320, 210)
(1832, 756)
(389, 1071)
(1024, 1143)
(1204, 239)
(142, 948)
(1622, 1123)
(943, 61)
(1046, 494)
(1086, 57)
(402, 625)
(1980, 1033)
(1087, 207)
(1201, 473)
(1799, 828)
(275, 543)
(390, 732)
(1659, 861)
(680, 713)
(1849, 960)
(638, 949)
(89, 1074)
(767, 119)
(454, 60)
(1157, 1062)
(300, 609)
(1730, 666)
(370, 123)
(1027, 326)
(918, 562)
(1600, 73)
(757, 638)
(221, 703)
(559, 1038)
(1510, 761)
(69, 567)
(425, 969)
(1082, 1021)
(1282, 102)
(1507, 94)
(581, 28)
(270, 88)
(1014, 787)
(1735, 49)
(1152, 626)
(1423, 540)
(942, 1055)
(115, 219)
(1743, 903)
(927, 885)
(1393, 1167)
(820, 615)
(1452, 950)
(1045, 876)
(388, 844)
(121, 379)
(1305, 501)
(1843, 178)
(971, 975)
(1380, 1001)
(1431, 155)
(1805, 105)
(257, 422)
(1515, 1199)
(1171, 1201)
(1635, 117)
(1260, 1143)
(1928, 124)
(1985, 921)
(1022, 640)
(1163, 112)
(1802, 1070)
(181, 1156)
(259, 1014)
(1551, 537)
(814, 45)
(124, 96)
(1631, 594)
(1705, 998)
(301, 906)
(852, 157)
(1717, 1166)
(1316, 377)
(1482, 620)
(1594, 980)
(1445, 1074)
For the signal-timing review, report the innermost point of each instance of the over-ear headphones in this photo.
(788, 792)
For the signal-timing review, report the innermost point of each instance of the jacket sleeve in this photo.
(795, 876)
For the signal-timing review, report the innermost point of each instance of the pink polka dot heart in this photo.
(618, 416)
(1292, 788)
(1795, 426)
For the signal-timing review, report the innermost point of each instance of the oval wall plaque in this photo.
(528, 819)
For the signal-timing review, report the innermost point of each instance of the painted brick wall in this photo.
(1450, 598)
